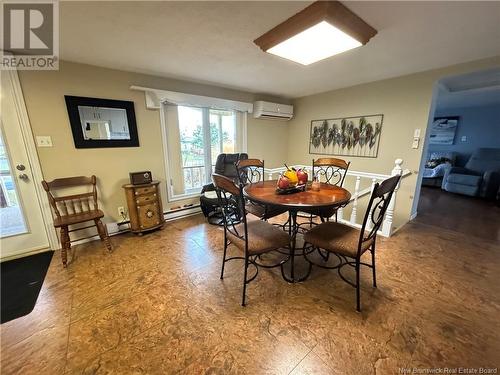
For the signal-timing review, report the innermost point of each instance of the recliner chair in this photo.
(225, 165)
(480, 176)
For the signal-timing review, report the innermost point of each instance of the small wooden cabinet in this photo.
(144, 206)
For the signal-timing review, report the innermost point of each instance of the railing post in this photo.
(355, 203)
(340, 214)
(389, 216)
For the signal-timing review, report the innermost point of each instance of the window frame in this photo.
(206, 140)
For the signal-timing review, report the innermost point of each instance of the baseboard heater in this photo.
(169, 216)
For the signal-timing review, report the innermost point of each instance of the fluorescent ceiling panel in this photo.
(314, 44)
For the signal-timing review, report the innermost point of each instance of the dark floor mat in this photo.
(22, 280)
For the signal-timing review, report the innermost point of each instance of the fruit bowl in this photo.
(292, 181)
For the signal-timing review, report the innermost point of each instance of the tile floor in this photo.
(156, 305)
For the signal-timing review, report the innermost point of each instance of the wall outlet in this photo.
(121, 212)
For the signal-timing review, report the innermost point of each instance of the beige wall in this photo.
(44, 95)
(404, 101)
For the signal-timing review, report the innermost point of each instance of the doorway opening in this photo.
(460, 167)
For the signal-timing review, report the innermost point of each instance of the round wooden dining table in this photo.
(328, 196)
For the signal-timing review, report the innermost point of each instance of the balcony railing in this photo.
(194, 177)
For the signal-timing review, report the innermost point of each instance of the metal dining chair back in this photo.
(333, 170)
(231, 200)
(376, 209)
(251, 171)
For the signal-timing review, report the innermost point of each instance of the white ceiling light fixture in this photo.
(323, 29)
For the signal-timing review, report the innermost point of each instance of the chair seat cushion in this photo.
(77, 218)
(264, 212)
(262, 237)
(464, 179)
(337, 238)
(210, 195)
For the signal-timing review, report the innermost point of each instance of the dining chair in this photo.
(75, 209)
(252, 237)
(349, 243)
(334, 172)
(251, 171)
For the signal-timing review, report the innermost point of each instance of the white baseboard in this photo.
(168, 216)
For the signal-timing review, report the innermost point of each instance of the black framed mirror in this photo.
(98, 123)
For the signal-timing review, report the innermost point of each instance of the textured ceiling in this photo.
(212, 42)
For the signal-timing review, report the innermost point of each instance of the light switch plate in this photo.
(43, 141)
(415, 142)
(416, 133)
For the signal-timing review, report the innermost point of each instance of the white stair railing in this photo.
(386, 228)
(354, 211)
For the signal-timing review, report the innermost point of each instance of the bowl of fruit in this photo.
(292, 181)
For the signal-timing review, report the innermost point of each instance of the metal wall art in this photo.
(348, 136)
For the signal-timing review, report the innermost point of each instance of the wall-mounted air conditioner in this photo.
(272, 111)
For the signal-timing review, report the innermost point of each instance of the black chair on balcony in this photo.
(225, 165)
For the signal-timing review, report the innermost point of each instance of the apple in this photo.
(302, 176)
(283, 182)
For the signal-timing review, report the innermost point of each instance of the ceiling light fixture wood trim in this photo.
(333, 12)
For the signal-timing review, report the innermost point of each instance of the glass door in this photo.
(22, 227)
(11, 212)
(195, 137)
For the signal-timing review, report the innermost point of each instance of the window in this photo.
(195, 137)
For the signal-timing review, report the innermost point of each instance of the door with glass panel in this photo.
(196, 136)
(22, 228)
